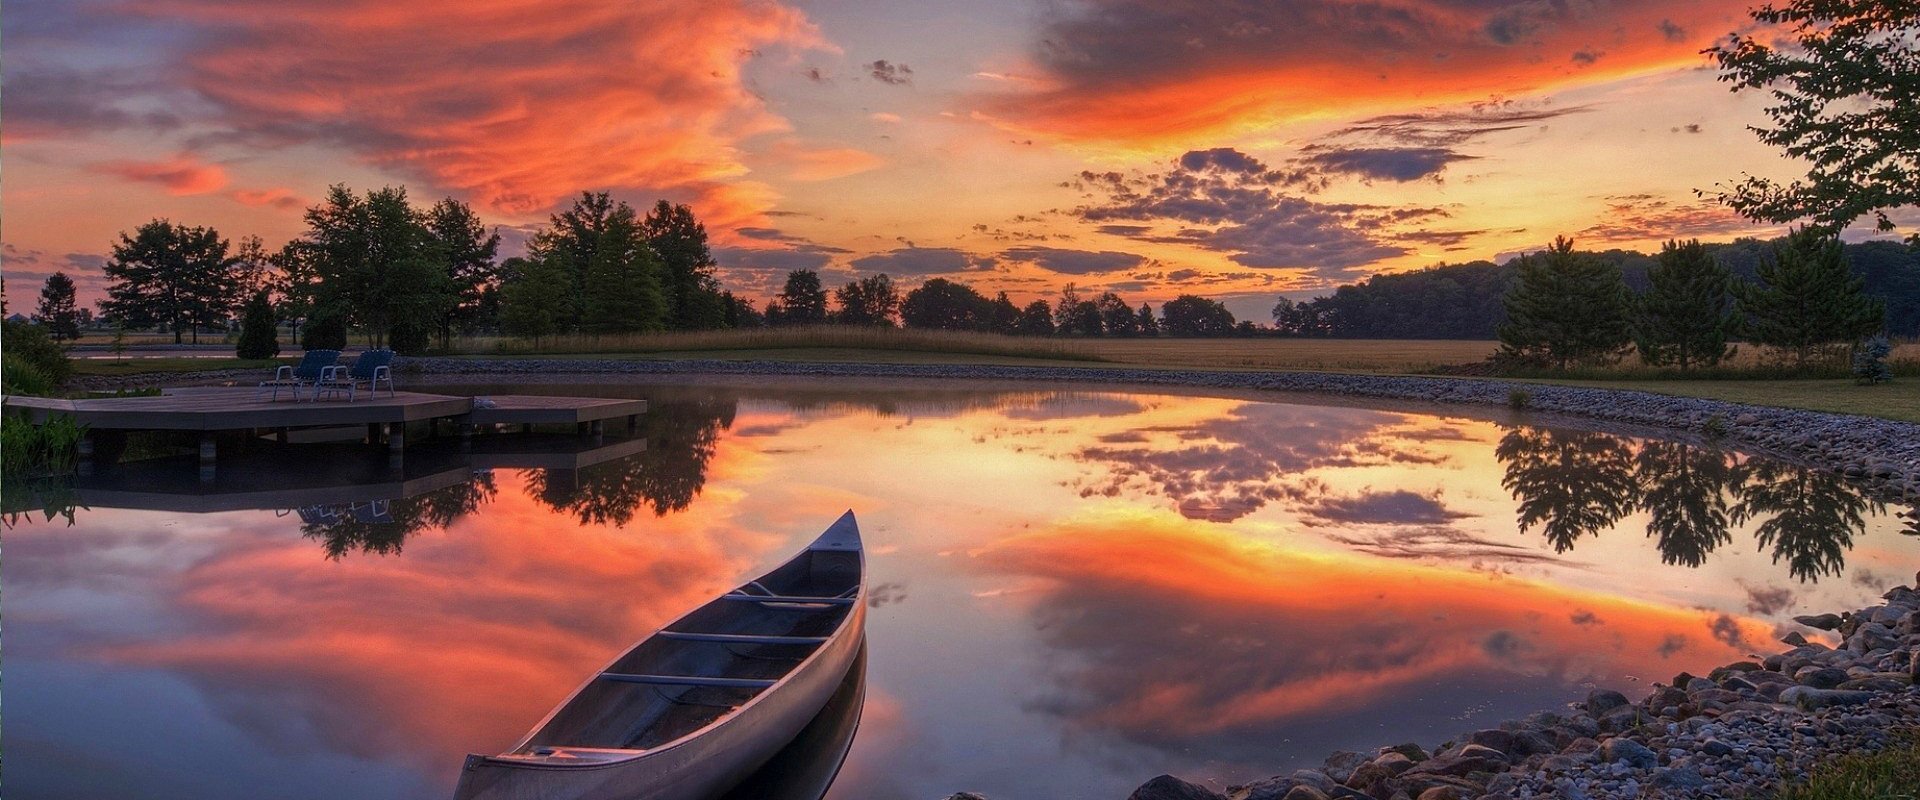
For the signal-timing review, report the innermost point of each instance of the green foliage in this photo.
(692, 293)
(31, 451)
(941, 304)
(57, 309)
(1890, 774)
(1519, 399)
(373, 258)
(1035, 320)
(32, 346)
(1715, 428)
(1116, 316)
(259, 337)
(1189, 315)
(536, 301)
(411, 337)
(1149, 324)
(326, 329)
(467, 251)
(21, 377)
(173, 275)
(1684, 317)
(801, 300)
(1870, 361)
(1565, 308)
(1460, 301)
(1845, 79)
(1003, 316)
(872, 300)
(1806, 302)
(623, 278)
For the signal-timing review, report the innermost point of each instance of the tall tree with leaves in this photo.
(536, 299)
(1116, 315)
(1035, 320)
(623, 279)
(1564, 308)
(692, 293)
(872, 300)
(57, 310)
(466, 251)
(372, 257)
(173, 275)
(575, 234)
(1685, 316)
(1149, 325)
(1806, 302)
(802, 301)
(1192, 315)
(941, 304)
(1845, 79)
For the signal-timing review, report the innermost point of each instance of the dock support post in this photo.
(209, 451)
(633, 422)
(85, 450)
(280, 435)
(597, 430)
(396, 443)
(373, 433)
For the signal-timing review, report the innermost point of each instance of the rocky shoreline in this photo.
(1741, 731)
(1882, 455)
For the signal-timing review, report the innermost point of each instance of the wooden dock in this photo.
(215, 410)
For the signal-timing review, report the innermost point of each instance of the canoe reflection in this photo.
(805, 769)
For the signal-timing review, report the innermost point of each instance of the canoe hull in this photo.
(697, 769)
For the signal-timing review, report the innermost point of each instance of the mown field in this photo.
(1750, 378)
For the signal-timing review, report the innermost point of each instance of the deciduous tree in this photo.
(1190, 315)
(1845, 79)
(680, 240)
(173, 275)
(941, 304)
(872, 300)
(802, 301)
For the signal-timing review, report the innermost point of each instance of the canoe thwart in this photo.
(740, 638)
(782, 598)
(688, 680)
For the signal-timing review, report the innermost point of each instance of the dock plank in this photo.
(529, 409)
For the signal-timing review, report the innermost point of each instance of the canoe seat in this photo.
(740, 638)
(688, 680)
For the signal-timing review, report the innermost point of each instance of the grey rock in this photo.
(1820, 677)
(1811, 699)
(1601, 701)
(1679, 778)
(1167, 787)
(1825, 622)
(1305, 793)
(1793, 638)
(1265, 789)
(1340, 765)
(1620, 749)
(1715, 747)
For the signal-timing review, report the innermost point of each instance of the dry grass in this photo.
(1331, 355)
(762, 340)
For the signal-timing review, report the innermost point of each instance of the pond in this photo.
(1072, 591)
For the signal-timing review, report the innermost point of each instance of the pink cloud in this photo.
(276, 197)
(181, 175)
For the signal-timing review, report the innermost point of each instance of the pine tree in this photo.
(1149, 326)
(57, 309)
(802, 301)
(1684, 318)
(1806, 302)
(258, 337)
(1565, 308)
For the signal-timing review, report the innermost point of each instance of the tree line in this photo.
(944, 304)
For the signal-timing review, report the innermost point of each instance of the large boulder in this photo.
(1601, 701)
(1825, 622)
(1811, 699)
(1167, 787)
(1635, 754)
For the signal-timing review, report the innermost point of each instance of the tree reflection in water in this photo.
(681, 438)
(1571, 483)
(1684, 492)
(1575, 483)
(1815, 516)
(381, 527)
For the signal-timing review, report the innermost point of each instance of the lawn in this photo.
(137, 366)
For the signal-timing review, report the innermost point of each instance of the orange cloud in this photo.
(277, 197)
(515, 105)
(181, 175)
(1235, 636)
(803, 163)
(1150, 72)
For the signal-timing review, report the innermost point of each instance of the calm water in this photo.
(1072, 591)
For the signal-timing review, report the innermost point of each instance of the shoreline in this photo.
(1739, 733)
(1883, 455)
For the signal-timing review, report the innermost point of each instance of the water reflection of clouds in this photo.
(1181, 637)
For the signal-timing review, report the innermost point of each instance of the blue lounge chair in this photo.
(312, 368)
(372, 367)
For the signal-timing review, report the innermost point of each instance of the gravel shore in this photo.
(1740, 731)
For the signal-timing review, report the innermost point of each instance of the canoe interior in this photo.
(615, 714)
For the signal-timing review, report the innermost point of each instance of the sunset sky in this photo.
(1154, 147)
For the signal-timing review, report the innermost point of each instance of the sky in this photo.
(1238, 150)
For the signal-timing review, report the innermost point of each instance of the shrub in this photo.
(410, 338)
(1715, 427)
(1870, 361)
(1519, 398)
(258, 338)
(326, 330)
(31, 451)
(30, 344)
(17, 376)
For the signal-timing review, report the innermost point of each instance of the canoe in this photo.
(806, 769)
(698, 706)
